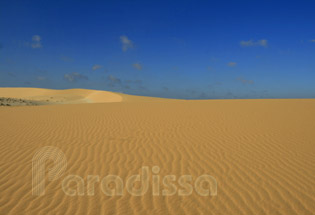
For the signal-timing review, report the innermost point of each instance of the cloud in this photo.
(249, 43)
(12, 74)
(125, 85)
(113, 80)
(143, 88)
(215, 84)
(36, 42)
(126, 43)
(190, 91)
(231, 64)
(41, 78)
(263, 43)
(133, 81)
(137, 66)
(66, 59)
(229, 95)
(74, 77)
(96, 67)
(36, 38)
(202, 95)
(312, 41)
(244, 81)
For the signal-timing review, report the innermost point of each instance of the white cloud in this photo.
(96, 67)
(249, 43)
(231, 64)
(36, 38)
(36, 42)
(137, 66)
(126, 43)
(262, 42)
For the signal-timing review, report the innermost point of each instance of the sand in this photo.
(261, 152)
(48, 96)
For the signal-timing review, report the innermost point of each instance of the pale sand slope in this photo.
(261, 152)
(71, 96)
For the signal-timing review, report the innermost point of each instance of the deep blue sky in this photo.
(177, 49)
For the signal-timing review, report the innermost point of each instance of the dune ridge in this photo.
(261, 152)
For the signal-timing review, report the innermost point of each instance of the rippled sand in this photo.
(261, 153)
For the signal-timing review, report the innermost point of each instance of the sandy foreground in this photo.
(260, 152)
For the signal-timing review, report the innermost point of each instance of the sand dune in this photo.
(261, 153)
(70, 96)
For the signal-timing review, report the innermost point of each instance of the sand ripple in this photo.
(261, 152)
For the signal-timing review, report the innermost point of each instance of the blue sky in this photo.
(175, 49)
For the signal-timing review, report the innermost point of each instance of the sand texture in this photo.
(261, 152)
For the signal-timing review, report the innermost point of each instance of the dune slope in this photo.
(70, 96)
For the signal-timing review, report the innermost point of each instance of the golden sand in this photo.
(261, 152)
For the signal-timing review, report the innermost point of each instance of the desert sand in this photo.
(48, 96)
(261, 152)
